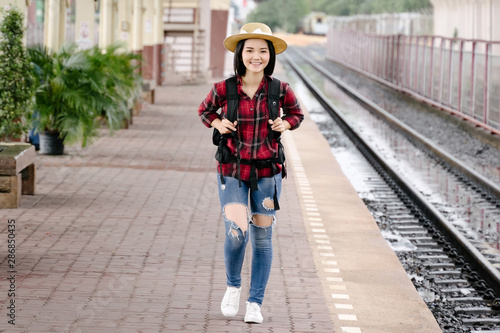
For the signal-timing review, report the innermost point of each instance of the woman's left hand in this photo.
(279, 125)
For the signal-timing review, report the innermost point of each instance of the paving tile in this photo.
(127, 236)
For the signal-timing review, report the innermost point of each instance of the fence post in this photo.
(473, 80)
(460, 72)
(386, 69)
(366, 43)
(431, 76)
(357, 44)
(373, 48)
(408, 66)
(486, 104)
(380, 54)
(393, 60)
(424, 72)
(399, 58)
(346, 41)
(415, 81)
(441, 62)
(450, 74)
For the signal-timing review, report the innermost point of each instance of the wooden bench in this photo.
(17, 173)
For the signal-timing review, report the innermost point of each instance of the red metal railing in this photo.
(457, 75)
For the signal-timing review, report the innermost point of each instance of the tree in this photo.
(16, 79)
(280, 14)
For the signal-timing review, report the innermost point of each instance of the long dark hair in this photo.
(239, 66)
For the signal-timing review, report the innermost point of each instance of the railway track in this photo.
(455, 272)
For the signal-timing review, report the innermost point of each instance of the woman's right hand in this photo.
(224, 126)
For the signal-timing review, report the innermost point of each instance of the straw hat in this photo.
(255, 30)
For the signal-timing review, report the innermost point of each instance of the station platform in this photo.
(127, 236)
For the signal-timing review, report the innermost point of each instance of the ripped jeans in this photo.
(260, 237)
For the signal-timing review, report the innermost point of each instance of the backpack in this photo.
(223, 154)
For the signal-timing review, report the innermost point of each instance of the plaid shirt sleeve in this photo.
(292, 112)
(212, 103)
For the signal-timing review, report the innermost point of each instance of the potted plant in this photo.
(65, 103)
(118, 76)
(16, 79)
(77, 88)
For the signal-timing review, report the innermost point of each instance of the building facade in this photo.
(179, 40)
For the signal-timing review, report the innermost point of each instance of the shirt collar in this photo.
(269, 78)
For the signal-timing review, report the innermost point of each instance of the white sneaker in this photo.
(231, 302)
(253, 314)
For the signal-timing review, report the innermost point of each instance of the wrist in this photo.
(216, 124)
(287, 125)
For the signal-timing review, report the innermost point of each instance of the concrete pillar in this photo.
(106, 24)
(158, 38)
(84, 23)
(158, 22)
(148, 40)
(51, 35)
(55, 16)
(125, 23)
(62, 21)
(137, 27)
(152, 34)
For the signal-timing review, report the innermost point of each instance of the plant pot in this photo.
(51, 143)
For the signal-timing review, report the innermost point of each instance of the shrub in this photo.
(16, 78)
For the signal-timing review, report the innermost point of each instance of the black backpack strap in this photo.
(232, 115)
(232, 99)
(232, 109)
(223, 154)
(273, 104)
(273, 98)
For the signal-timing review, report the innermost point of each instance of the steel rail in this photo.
(490, 274)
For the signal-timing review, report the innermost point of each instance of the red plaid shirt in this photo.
(252, 128)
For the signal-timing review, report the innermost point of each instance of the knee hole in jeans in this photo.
(268, 204)
(237, 213)
(261, 220)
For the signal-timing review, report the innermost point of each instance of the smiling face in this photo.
(255, 55)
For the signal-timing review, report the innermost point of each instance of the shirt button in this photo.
(251, 109)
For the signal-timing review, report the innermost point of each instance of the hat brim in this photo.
(279, 44)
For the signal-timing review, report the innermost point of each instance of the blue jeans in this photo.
(260, 237)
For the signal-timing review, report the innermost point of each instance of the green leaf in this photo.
(75, 88)
(15, 76)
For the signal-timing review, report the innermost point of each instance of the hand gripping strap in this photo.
(273, 98)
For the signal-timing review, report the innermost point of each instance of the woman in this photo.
(253, 170)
